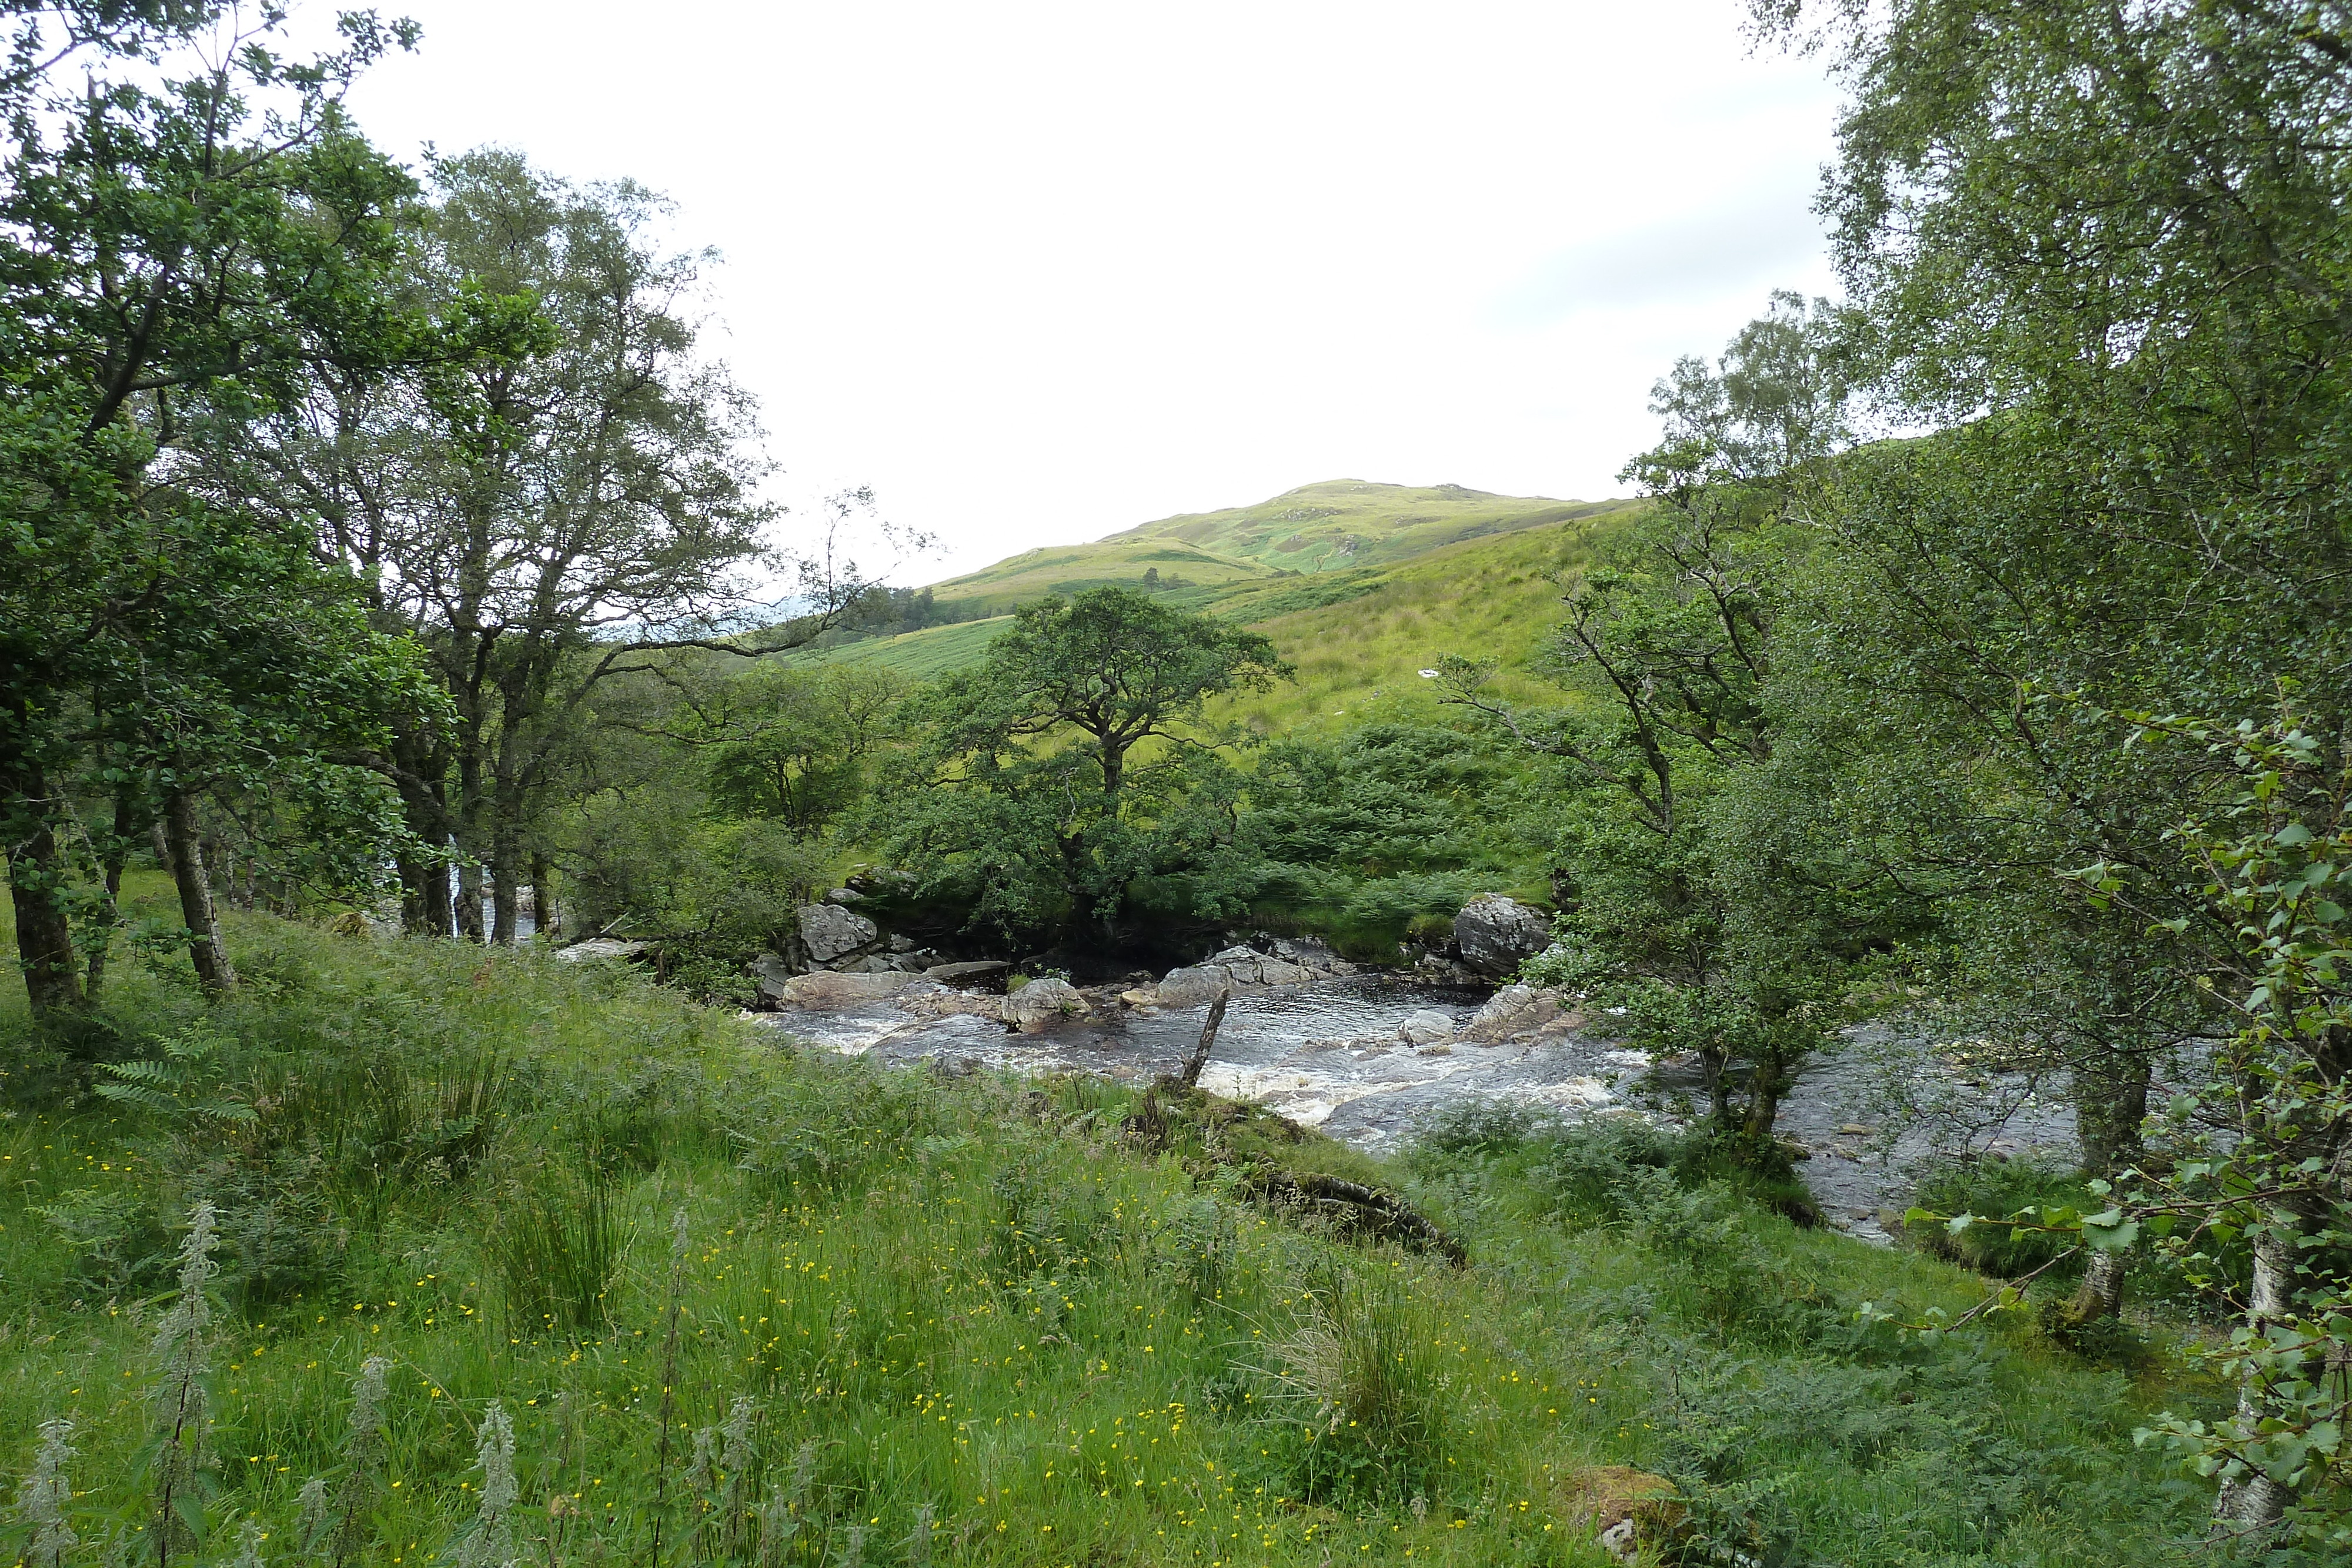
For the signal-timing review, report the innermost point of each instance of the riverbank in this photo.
(972, 1318)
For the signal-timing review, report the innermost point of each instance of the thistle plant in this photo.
(852, 1555)
(363, 1457)
(489, 1543)
(669, 1381)
(183, 1451)
(249, 1543)
(42, 1500)
(780, 1517)
(313, 1507)
(919, 1543)
(735, 1461)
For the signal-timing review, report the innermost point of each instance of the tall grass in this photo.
(916, 1321)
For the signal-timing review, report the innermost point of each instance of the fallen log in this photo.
(1382, 1214)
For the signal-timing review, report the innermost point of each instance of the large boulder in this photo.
(1042, 1002)
(1426, 1027)
(1514, 1010)
(829, 931)
(1497, 933)
(1193, 987)
(773, 975)
(825, 989)
(1276, 972)
(965, 974)
(599, 948)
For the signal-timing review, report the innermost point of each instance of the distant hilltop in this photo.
(1332, 526)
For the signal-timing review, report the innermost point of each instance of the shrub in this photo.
(1999, 1189)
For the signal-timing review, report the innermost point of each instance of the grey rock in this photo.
(1426, 1027)
(1275, 972)
(875, 964)
(1497, 933)
(599, 948)
(830, 932)
(826, 988)
(956, 974)
(774, 975)
(1193, 986)
(1042, 1002)
(1514, 1010)
(902, 943)
(844, 896)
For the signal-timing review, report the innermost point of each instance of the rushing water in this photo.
(1330, 1054)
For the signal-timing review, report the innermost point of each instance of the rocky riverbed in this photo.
(1366, 1057)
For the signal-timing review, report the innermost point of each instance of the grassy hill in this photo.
(1361, 585)
(1343, 523)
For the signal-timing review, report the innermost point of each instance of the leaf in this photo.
(2110, 1232)
(1959, 1222)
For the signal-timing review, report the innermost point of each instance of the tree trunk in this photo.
(469, 900)
(36, 873)
(118, 849)
(196, 910)
(2110, 1103)
(506, 864)
(2256, 1503)
(542, 896)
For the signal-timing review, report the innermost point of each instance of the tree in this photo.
(1024, 795)
(1725, 932)
(167, 252)
(2103, 248)
(563, 505)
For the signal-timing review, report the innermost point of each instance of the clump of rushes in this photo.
(183, 1451)
(43, 1500)
(489, 1542)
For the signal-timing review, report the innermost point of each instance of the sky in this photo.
(1038, 272)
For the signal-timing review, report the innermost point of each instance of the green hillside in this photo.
(1070, 569)
(1361, 585)
(1343, 523)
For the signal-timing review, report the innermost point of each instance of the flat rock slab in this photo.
(826, 988)
(978, 968)
(599, 948)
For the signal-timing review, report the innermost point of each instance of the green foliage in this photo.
(1067, 777)
(935, 1259)
(1999, 1189)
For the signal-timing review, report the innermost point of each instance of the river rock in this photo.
(829, 931)
(1497, 933)
(1514, 1010)
(1628, 1510)
(844, 896)
(826, 988)
(1426, 1027)
(599, 948)
(1275, 972)
(773, 975)
(1041, 1002)
(957, 973)
(1193, 986)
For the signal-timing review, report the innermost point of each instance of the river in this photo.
(1329, 1055)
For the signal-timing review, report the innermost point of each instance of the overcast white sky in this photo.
(1037, 272)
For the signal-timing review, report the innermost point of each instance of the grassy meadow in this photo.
(742, 1302)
